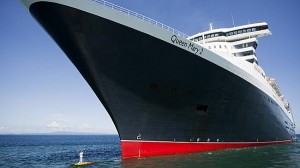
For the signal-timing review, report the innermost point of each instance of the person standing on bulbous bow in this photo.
(80, 156)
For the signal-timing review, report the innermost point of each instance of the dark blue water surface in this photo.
(104, 150)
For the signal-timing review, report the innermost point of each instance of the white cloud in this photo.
(56, 125)
(2, 128)
(85, 127)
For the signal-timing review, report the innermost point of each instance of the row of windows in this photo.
(245, 45)
(198, 38)
(231, 33)
(213, 35)
(246, 53)
(215, 46)
(241, 31)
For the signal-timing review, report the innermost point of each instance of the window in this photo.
(264, 27)
(215, 46)
(251, 60)
(244, 31)
(216, 35)
(225, 46)
(212, 35)
(209, 47)
(253, 29)
(196, 39)
(246, 53)
(248, 30)
(208, 36)
(220, 46)
(240, 32)
(235, 32)
(201, 38)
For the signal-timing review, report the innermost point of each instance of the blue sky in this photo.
(41, 91)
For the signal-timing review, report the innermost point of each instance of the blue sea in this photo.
(104, 150)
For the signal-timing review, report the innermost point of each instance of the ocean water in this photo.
(104, 150)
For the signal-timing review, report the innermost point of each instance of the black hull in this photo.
(156, 91)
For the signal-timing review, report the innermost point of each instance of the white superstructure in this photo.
(239, 42)
(238, 45)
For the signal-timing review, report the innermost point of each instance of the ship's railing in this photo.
(142, 17)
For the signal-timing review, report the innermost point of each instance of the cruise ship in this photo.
(167, 92)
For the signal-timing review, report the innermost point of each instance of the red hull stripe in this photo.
(155, 148)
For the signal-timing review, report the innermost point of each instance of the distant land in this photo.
(73, 133)
(62, 133)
